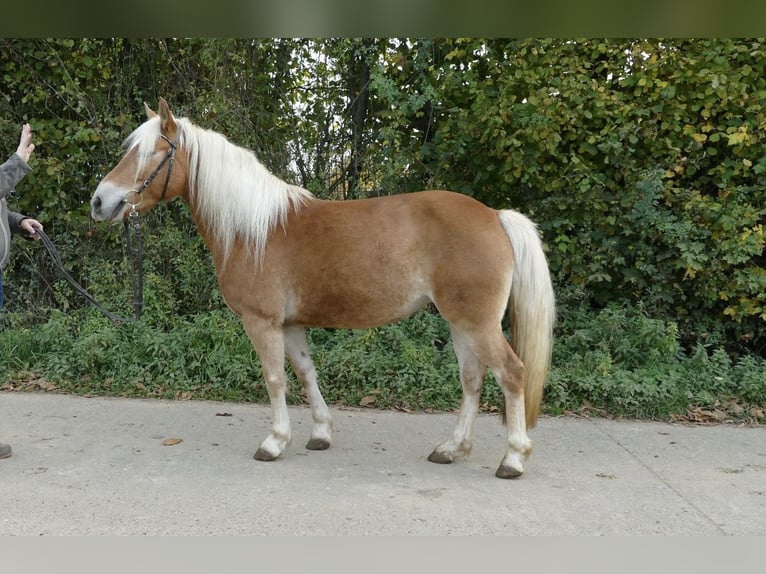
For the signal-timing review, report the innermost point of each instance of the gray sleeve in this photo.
(11, 173)
(14, 221)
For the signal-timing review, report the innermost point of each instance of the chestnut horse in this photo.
(286, 260)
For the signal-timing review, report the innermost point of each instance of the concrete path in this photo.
(98, 466)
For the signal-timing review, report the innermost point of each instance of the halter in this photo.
(168, 157)
(132, 225)
(135, 245)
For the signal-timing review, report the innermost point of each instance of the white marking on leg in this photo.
(298, 352)
(281, 434)
(268, 342)
(471, 378)
(519, 444)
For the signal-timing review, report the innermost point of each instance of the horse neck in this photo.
(231, 227)
(209, 236)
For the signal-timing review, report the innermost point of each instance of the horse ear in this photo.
(150, 113)
(167, 122)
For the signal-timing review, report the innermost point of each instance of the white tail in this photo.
(532, 308)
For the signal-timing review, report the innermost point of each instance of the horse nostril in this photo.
(97, 203)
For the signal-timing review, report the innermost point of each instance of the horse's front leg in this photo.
(269, 343)
(298, 353)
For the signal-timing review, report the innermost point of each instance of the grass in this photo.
(615, 362)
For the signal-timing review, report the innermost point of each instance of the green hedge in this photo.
(617, 361)
(641, 160)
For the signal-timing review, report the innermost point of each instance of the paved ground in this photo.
(92, 466)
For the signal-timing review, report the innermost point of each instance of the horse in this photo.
(287, 260)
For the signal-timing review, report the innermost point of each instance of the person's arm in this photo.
(14, 221)
(13, 170)
(11, 173)
(20, 223)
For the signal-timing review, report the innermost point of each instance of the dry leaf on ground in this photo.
(171, 441)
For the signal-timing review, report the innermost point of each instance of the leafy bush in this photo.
(641, 160)
(621, 361)
(617, 361)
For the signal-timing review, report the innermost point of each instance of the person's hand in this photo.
(26, 147)
(31, 226)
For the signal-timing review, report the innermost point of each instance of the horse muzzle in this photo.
(108, 204)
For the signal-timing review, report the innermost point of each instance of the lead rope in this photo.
(135, 258)
(115, 319)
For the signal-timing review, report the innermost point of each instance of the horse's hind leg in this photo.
(298, 352)
(471, 378)
(269, 343)
(490, 348)
(494, 350)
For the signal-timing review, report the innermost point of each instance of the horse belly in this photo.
(357, 304)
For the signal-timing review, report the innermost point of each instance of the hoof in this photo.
(508, 472)
(264, 455)
(318, 444)
(439, 458)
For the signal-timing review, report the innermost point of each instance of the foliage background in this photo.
(642, 161)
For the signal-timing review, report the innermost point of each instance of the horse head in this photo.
(153, 169)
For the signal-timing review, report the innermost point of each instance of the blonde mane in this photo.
(233, 192)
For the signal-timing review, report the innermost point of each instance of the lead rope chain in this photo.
(135, 259)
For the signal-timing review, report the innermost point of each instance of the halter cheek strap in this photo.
(169, 157)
